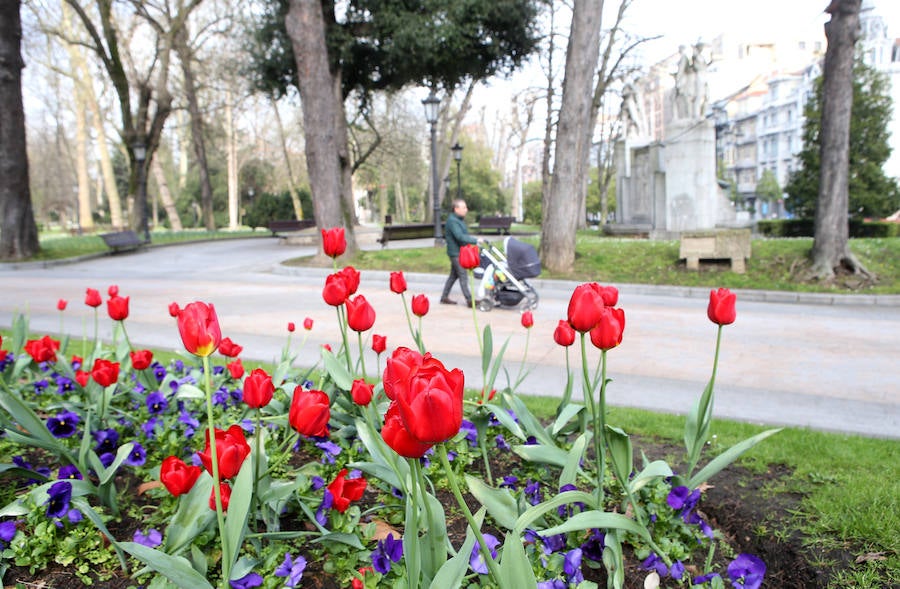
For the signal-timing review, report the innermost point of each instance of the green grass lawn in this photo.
(775, 264)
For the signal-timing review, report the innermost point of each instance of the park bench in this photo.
(722, 244)
(277, 226)
(120, 241)
(408, 231)
(497, 223)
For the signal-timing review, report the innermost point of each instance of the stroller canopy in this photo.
(522, 258)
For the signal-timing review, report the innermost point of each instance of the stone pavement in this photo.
(819, 361)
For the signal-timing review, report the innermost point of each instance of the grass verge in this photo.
(776, 264)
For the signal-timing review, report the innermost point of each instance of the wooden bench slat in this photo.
(408, 231)
(278, 225)
(498, 223)
(122, 240)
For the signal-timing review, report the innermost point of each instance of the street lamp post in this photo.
(140, 204)
(457, 155)
(432, 104)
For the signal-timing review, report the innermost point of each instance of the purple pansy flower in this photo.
(655, 563)
(248, 581)
(554, 584)
(151, 539)
(292, 569)
(703, 578)
(476, 560)
(69, 471)
(510, 482)
(107, 440)
(677, 570)
(63, 425)
(387, 551)
(746, 571)
(7, 532)
(60, 493)
(501, 443)
(330, 450)
(156, 403)
(471, 432)
(592, 548)
(137, 456)
(572, 566)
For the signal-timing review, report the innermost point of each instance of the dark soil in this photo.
(736, 505)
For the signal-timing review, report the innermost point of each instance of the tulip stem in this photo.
(362, 360)
(413, 560)
(343, 325)
(416, 335)
(520, 376)
(217, 489)
(258, 463)
(467, 513)
(588, 394)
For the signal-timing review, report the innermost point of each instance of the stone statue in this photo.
(691, 86)
(684, 85)
(635, 117)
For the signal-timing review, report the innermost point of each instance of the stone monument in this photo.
(670, 186)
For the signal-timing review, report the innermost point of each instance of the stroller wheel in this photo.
(530, 301)
(484, 305)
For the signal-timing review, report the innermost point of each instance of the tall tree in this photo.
(872, 193)
(572, 143)
(831, 247)
(18, 231)
(381, 46)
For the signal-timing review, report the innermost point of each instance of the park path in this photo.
(803, 363)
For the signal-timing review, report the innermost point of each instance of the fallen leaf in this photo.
(651, 581)
(144, 487)
(870, 556)
(384, 529)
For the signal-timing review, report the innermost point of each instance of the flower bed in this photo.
(201, 474)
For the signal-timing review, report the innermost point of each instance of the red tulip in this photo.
(395, 435)
(231, 450)
(225, 492)
(174, 309)
(82, 377)
(431, 390)
(229, 348)
(308, 324)
(199, 329)
(235, 368)
(721, 306)
(527, 320)
(398, 282)
(584, 307)
(399, 367)
(291, 327)
(117, 307)
(609, 294)
(178, 477)
(564, 335)
(360, 314)
(258, 388)
(113, 290)
(335, 291)
(420, 305)
(92, 298)
(61, 304)
(469, 256)
(310, 412)
(351, 279)
(361, 392)
(607, 334)
(344, 490)
(141, 359)
(379, 343)
(42, 350)
(333, 241)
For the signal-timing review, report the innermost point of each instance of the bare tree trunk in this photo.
(523, 127)
(184, 147)
(322, 116)
(292, 184)
(85, 211)
(560, 222)
(18, 231)
(831, 244)
(231, 164)
(549, 125)
(165, 195)
(185, 56)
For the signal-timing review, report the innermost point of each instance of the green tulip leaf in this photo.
(487, 349)
(500, 503)
(565, 416)
(189, 391)
(598, 519)
(620, 451)
(533, 513)
(453, 571)
(239, 509)
(515, 570)
(175, 568)
(507, 420)
(337, 371)
(121, 455)
(727, 457)
(654, 470)
(573, 464)
(543, 454)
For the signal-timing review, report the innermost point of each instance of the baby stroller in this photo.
(503, 275)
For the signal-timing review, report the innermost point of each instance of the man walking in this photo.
(457, 234)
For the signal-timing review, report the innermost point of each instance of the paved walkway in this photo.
(818, 361)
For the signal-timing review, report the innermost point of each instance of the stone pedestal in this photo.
(640, 186)
(692, 193)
